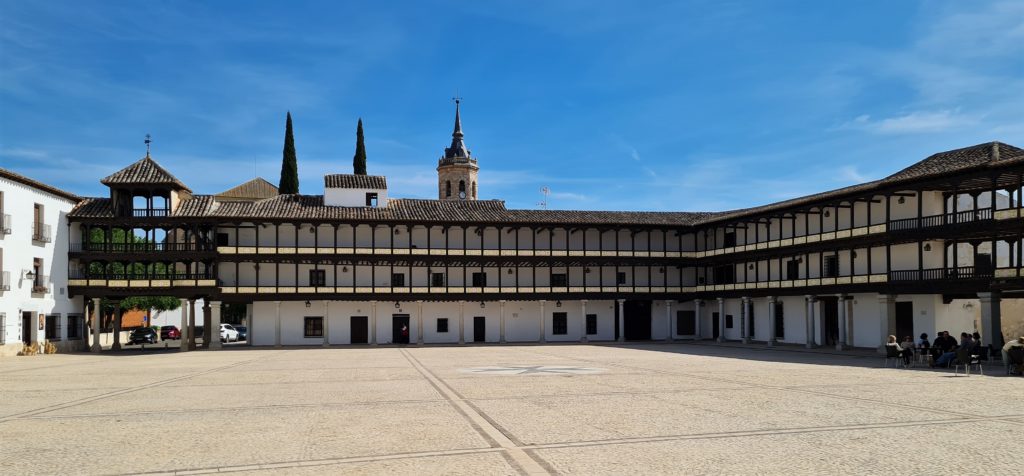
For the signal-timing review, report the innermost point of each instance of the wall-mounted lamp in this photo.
(509, 271)
(397, 231)
(927, 246)
(308, 304)
(828, 213)
(661, 269)
(312, 229)
(482, 305)
(558, 303)
(901, 200)
(344, 269)
(586, 270)
(397, 305)
(750, 266)
(854, 254)
(29, 275)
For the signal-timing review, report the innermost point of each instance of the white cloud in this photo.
(912, 123)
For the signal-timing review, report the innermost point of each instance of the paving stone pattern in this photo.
(651, 409)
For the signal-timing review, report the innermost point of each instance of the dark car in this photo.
(243, 332)
(142, 335)
(170, 333)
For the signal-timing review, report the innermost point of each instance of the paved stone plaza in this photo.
(575, 409)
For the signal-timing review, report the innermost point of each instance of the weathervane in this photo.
(148, 141)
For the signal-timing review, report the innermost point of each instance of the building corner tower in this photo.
(457, 170)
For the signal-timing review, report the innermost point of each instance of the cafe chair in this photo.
(966, 359)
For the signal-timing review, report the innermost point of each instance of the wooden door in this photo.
(479, 329)
(904, 320)
(359, 330)
(398, 322)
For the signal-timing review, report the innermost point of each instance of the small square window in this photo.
(479, 280)
(620, 277)
(437, 279)
(313, 327)
(442, 324)
(560, 323)
(559, 280)
(728, 321)
(398, 279)
(317, 277)
(371, 199)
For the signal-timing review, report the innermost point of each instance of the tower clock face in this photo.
(462, 195)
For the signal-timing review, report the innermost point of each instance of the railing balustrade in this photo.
(139, 247)
(78, 274)
(966, 216)
(933, 274)
(40, 284)
(5, 281)
(150, 212)
(5, 224)
(40, 232)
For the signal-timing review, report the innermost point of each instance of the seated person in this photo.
(1018, 342)
(891, 343)
(908, 349)
(943, 343)
(944, 360)
(923, 343)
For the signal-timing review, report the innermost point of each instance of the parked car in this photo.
(228, 333)
(142, 335)
(243, 332)
(170, 333)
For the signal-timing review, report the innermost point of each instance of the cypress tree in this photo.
(289, 167)
(359, 160)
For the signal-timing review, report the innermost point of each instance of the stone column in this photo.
(771, 321)
(191, 324)
(842, 323)
(327, 318)
(210, 333)
(583, 320)
(810, 321)
(501, 322)
(697, 317)
(277, 324)
(887, 318)
(183, 341)
(462, 322)
(373, 322)
(668, 321)
(97, 315)
(721, 319)
(214, 324)
(117, 327)
(622, 320)
(991, 319)
(419, 323)
(543, 318)
(744, 315)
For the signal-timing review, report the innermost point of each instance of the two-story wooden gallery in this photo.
(933, 247)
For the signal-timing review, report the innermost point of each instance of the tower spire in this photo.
(149, 140)
(458, 148)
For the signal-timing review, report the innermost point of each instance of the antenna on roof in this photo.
(149, 140)
(544, 203)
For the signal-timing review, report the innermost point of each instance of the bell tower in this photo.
(457, 170)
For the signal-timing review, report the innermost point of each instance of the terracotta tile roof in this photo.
(255, 189)
(373, 182)
(146, 172)
(991, 153)
(92, 207)
(38, 185)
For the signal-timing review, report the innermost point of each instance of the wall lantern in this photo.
(344, 269)
(312, 229)
(901, 200)
(828, 213)
(661, 269)
(308, 304)
(927, 246)
(397, 305)
(586, 270)
(854, 254)
(30, 275)
(510, 271)
(482, 305)
(558, 303)
(750, 266)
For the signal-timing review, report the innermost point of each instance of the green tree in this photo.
(289, 166)
(124, 237)
(359, 161)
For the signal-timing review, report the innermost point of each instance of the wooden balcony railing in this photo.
(150, 212)
(967, 216)
(78, 274)
(139, 247)
(934, 274)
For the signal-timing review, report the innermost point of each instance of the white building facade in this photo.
(35, 303)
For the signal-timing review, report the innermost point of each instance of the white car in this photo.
(228, 333)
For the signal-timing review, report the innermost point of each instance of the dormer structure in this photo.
(350, 190)
(134, 190)
(457, 170)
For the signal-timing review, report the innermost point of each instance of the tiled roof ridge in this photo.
(137, 173)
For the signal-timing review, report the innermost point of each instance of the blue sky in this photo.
(702, 105)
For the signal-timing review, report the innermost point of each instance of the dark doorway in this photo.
(479, 329)
(780, 321)
(982, 266)
(638, 320)
(715, 326)
(616, 322)
(400, 328)
(830, 319)
(26, 327)
(750, 321)
(359, 330)
(904, 320)
(686, 323)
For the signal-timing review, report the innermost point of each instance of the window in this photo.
(620, 277)
(474, 190)
(560, 323)
(53, 327)
(398, 279)
(780, 328)
(38, 281)
(559, 280)
(222, 239)
(728, 321)
(371, 199)
(447, 188)
(730, 239)
(479, 280)
(437, 279)
(591, 324)
(462, 186)
(792, 269)
(317, 277)
(725, 274)
(686, 323)
(76, 326)
(442, 324)
(831, 266)
(313, 327)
